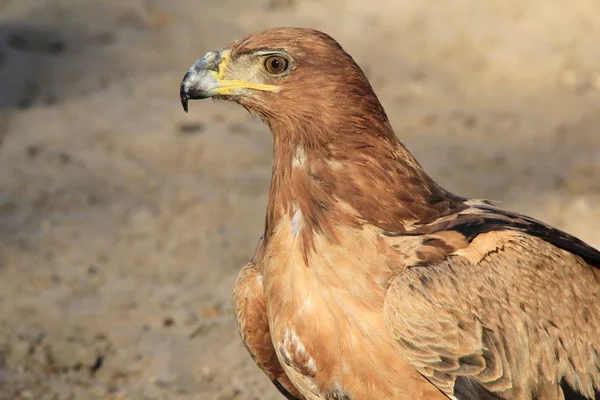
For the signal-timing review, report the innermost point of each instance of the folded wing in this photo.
(509, 312)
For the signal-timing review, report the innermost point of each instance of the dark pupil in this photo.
(275, 64)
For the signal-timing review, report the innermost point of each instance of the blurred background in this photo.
(123, 220)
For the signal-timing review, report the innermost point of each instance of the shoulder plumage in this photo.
(482, 217)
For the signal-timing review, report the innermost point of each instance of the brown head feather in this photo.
(327, 117)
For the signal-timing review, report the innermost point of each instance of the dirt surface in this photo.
(123, 221)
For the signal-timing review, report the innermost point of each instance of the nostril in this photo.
(210, 61)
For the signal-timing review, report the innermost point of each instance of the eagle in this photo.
(372, 281)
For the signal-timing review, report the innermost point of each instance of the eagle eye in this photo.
(276, 65)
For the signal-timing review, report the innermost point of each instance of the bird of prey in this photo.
(371, 281)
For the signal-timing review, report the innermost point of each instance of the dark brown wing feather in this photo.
(482, 217)
(493, 218)
(571, 394)
(466, 388)
(284, 391)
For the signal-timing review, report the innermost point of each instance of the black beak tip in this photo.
(184, 98)
(184, 103)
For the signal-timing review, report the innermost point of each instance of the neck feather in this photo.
(329, 174)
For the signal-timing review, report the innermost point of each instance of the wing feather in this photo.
(251, 314)
(508, 313)
(482, 217)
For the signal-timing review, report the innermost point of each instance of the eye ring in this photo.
(276, 65)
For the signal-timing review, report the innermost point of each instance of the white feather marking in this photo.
(299, 158)
(334, 164)
(285, 345)
(296, 221)
(310, 365)
(293, 350)
(307, 302)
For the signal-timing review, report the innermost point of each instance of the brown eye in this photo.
(276, 65)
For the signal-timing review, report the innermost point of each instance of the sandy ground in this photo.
(123, 221)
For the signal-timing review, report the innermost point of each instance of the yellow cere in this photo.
(227, 86)
(223, 63)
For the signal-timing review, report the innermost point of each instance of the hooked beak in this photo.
(206, 79)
